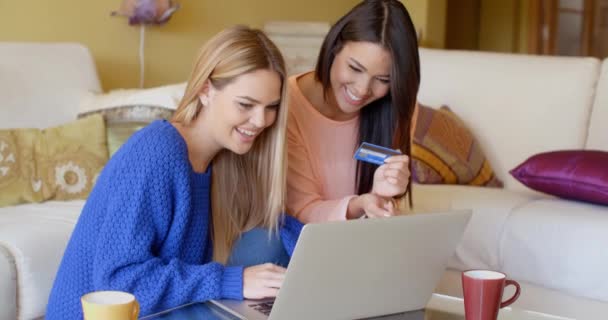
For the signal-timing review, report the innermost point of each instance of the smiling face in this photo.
(239, 112)
(360, 74)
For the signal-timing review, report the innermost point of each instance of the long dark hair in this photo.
(386, 121)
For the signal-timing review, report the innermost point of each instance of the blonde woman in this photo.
(176, 209)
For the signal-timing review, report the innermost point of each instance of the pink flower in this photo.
(147, 11)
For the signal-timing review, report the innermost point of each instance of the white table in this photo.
(440, 307)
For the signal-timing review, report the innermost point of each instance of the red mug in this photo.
(483, 291)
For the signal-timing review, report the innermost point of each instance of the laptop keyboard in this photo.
(263, 307)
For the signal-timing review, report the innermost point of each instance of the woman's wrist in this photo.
(354, 209)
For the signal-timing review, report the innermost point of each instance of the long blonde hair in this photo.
(246, 190)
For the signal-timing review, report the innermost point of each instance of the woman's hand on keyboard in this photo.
(262, 281)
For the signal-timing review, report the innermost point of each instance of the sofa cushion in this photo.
(576, 174)
(479, 247)
(167, 96)
(18, 167)
(43, 83)
(123, 121)
(444, 151)
(506, 101)
(35, 236)
(558, 244)
(57, 163)
(598, 131)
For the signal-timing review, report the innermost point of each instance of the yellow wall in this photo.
(503, 23)
(435, 23)
(524, 17)
(418, 11)
(170, 49)
(500, 25)
(429, 17)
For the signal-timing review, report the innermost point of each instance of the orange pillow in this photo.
(444, 151)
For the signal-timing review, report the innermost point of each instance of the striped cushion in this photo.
(446, 152)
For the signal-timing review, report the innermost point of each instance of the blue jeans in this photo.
(256, 247)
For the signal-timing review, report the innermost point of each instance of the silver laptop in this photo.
(361, 268)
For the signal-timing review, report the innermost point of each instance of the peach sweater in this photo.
(321, 168)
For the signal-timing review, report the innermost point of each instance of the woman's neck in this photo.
(201, 147)
(313, 91)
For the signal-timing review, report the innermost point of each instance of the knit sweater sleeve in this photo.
(290, 232)
(140, 213)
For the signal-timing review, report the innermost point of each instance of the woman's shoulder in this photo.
(297, 86)
(300, 102)
(160, 134)
(157, 143)
(306, 96)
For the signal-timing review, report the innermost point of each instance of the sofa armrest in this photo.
(8, 285)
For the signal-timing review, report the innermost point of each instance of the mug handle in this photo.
(135, 310)
(515, 295)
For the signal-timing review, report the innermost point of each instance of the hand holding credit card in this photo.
(373, 153)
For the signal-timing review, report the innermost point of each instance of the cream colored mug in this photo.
(103, 305)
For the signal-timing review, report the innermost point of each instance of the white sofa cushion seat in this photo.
(558, 244)
(33, 238)
(491, 209)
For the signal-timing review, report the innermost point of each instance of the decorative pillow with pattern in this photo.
(60, 163)
(444, 151)
(123, 121)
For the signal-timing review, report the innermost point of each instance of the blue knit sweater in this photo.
(145, 230)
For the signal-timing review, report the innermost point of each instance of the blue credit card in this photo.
(374, 154)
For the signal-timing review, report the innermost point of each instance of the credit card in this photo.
(373, 153)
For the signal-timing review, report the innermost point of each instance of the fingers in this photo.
(268, 293)
(397, 159)
(400, 166)
(272, 272)
(263, 281)
(396, 176)
(390, 206)
(395, 166)
(272, 275)
(260, 293)
(268, 267)
(374, 211)
(277, 268)
(272, 283)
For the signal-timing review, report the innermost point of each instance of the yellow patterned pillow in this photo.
(123, 121)
(444, 151)
(60, 163)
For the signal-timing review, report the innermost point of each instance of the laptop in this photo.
(361, 268)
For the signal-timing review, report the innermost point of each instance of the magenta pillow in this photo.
(572, 174)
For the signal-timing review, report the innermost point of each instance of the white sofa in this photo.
(516, 105)
(41, 85)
